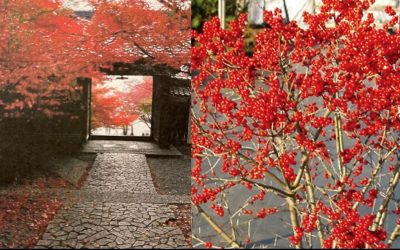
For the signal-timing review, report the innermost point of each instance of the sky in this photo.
(77, 4)
(83, 5)
(122, 85)
(296, 9)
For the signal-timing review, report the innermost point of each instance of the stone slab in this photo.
(69, 168)
(135, 147)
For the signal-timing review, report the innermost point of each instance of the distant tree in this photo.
(104, 107)
(145, 113)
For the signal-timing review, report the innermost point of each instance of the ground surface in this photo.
(170, 175)
(27, 206)
(23, 219)
(118, 206)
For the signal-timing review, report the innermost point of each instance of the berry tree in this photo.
(304, 130)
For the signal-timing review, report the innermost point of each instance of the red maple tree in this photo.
(39, 55)
(45, 48)
(125, 31)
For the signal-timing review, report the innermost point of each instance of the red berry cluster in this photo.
(219, 210)
(265, 212)
(297, 237)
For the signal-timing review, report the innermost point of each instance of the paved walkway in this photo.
(118, 207)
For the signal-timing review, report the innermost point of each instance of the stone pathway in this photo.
(98, 217)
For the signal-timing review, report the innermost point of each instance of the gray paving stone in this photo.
(81, 237)
(70, 243)
(112, 245)
(79, 229)
(120, 241)
(125, 246)
(44, 243)
(79, 245)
